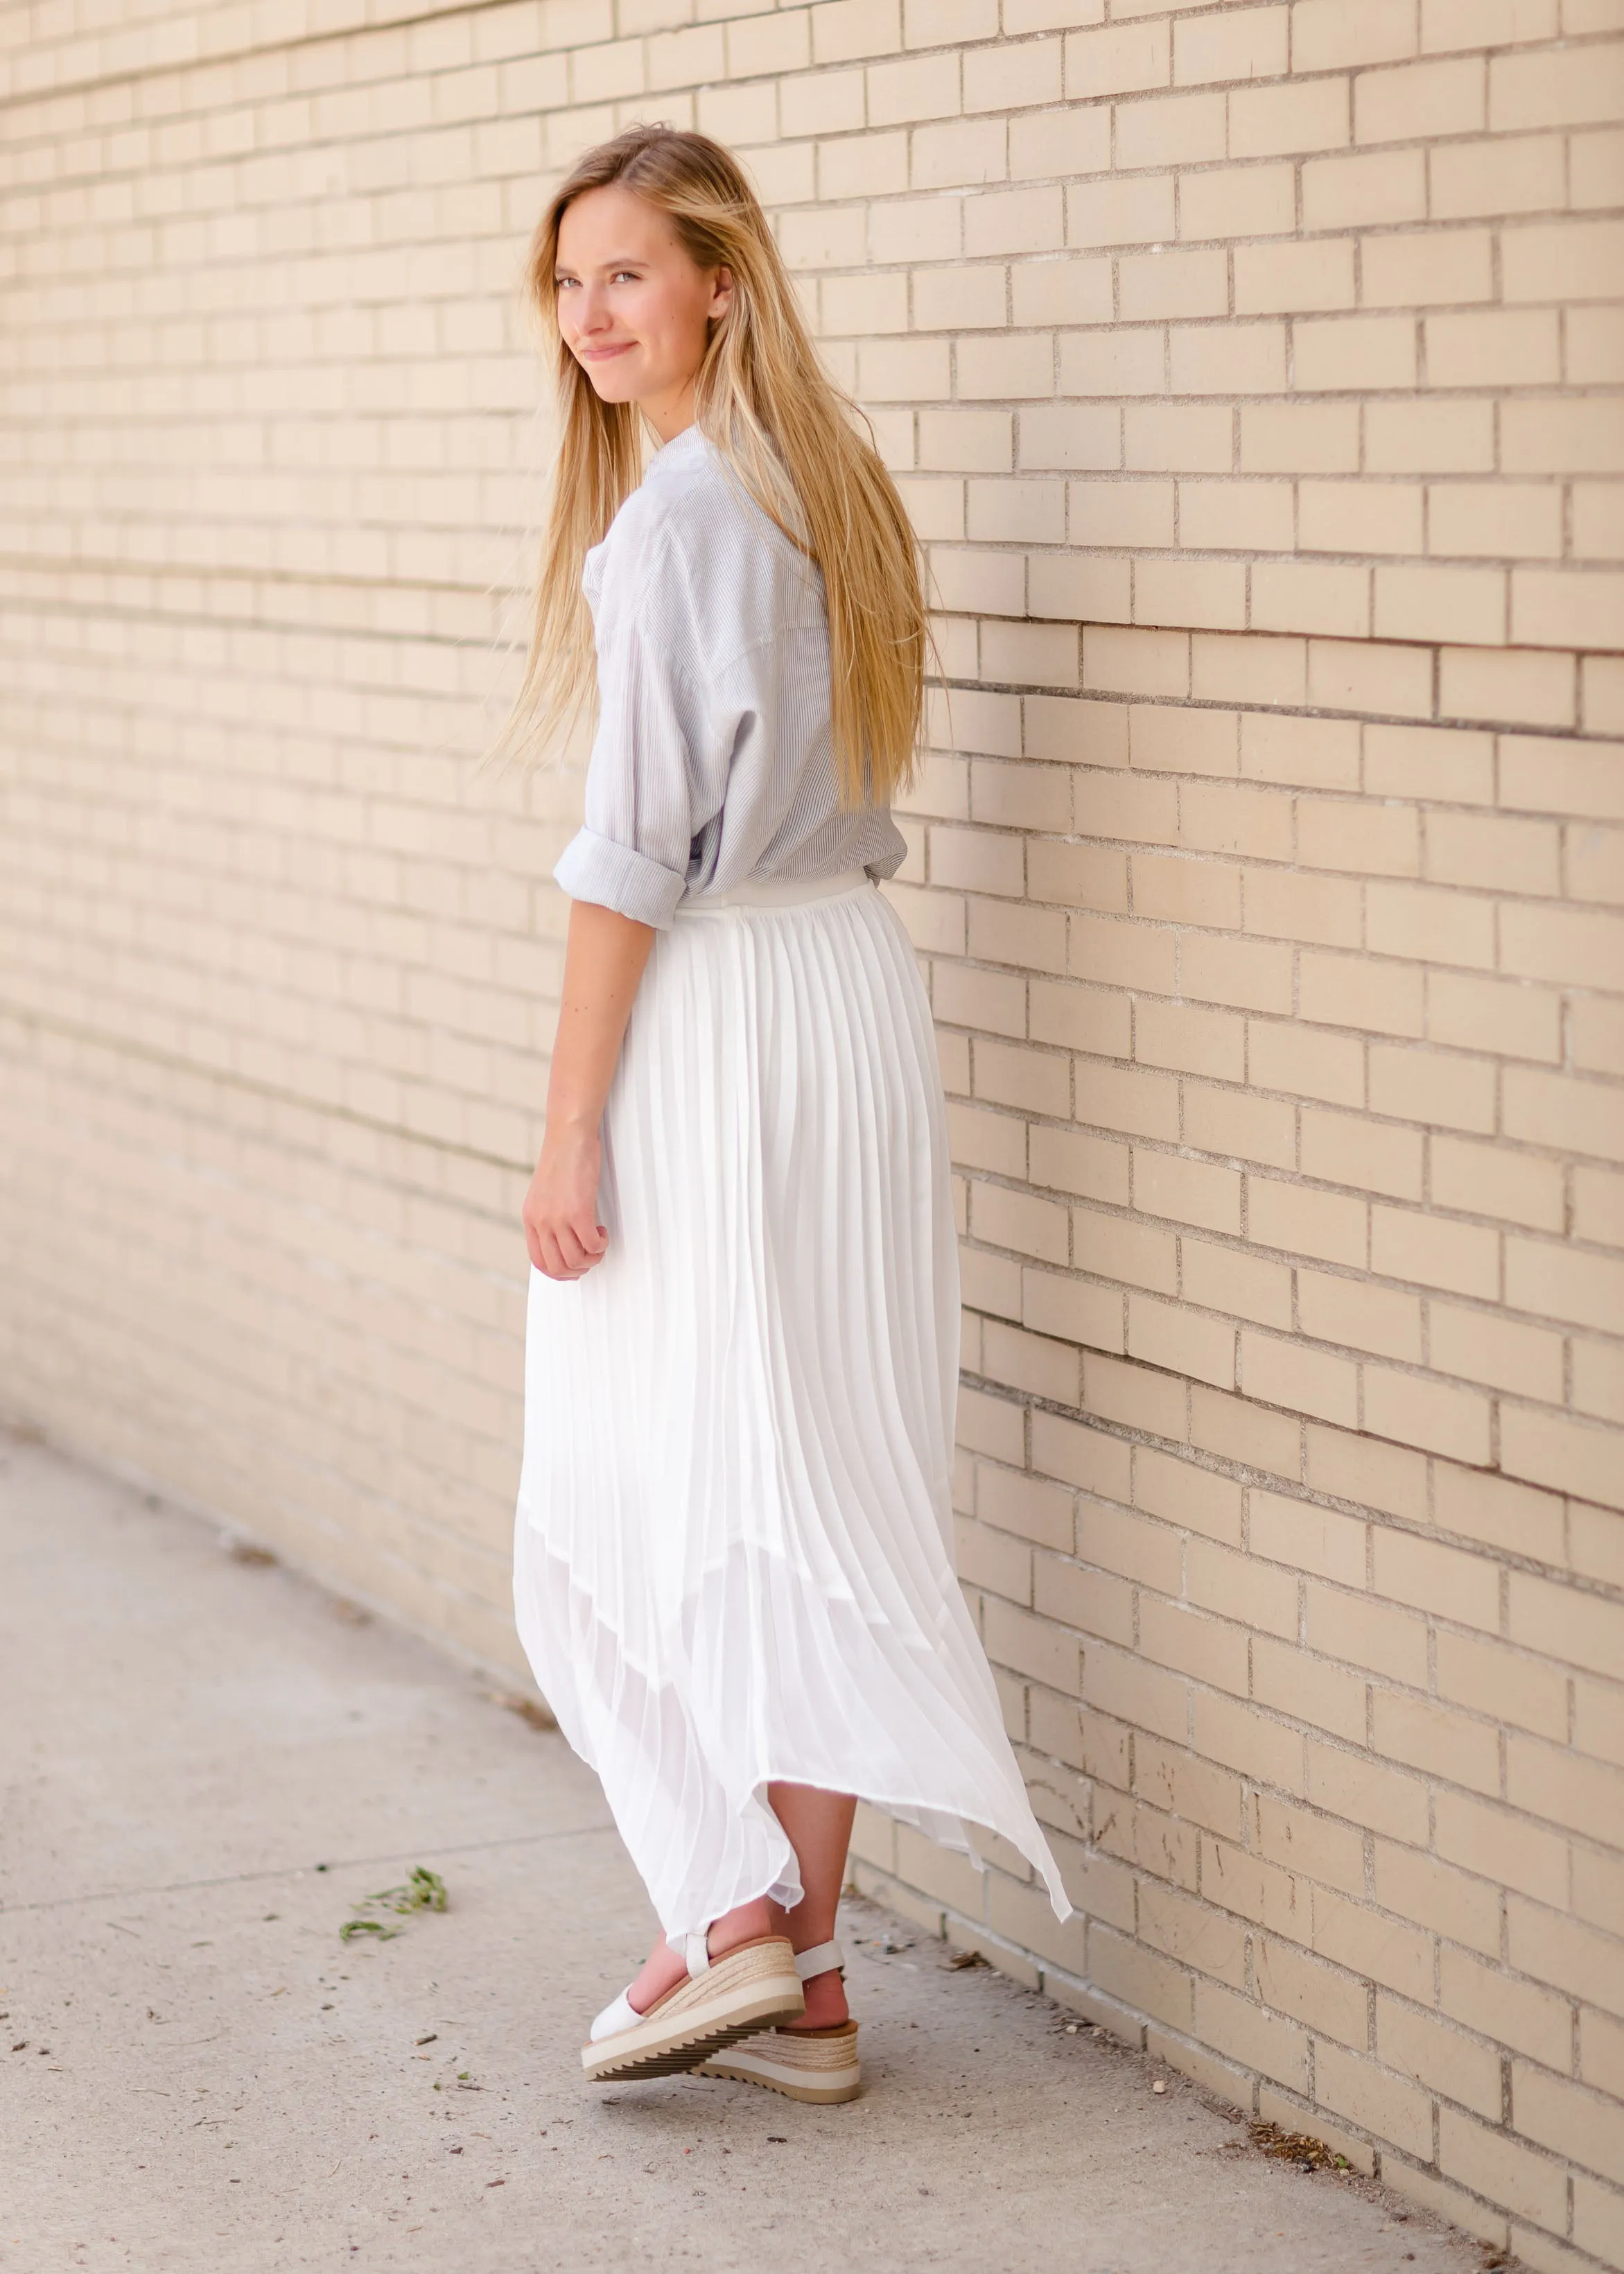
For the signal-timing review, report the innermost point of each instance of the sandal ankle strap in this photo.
(696, 1952)
(825, 1958)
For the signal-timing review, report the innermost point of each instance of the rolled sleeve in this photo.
(651, 745)
(615, 875)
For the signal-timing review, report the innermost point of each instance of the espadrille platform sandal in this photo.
(753, 1987)
(801, 2064)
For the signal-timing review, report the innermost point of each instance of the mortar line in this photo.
(229, 1077)
(253, 51)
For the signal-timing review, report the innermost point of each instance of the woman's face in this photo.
(633, 307)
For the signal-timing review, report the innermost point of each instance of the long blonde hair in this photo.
(763, 399)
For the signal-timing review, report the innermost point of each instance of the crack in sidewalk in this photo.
(296, 1871)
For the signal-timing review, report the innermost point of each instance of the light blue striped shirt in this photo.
(712, 764)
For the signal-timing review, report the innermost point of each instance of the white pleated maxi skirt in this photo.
(733, 1547)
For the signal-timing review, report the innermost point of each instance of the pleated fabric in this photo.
(733, 1549)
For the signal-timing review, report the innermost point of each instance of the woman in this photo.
(733, 1568)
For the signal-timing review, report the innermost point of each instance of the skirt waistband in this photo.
(777, 892)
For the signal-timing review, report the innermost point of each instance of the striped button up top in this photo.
(713, 763)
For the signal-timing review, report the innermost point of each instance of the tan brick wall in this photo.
(1254, 375)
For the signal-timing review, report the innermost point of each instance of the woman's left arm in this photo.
(604, 960)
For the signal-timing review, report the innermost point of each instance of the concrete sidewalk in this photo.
(204, 1765)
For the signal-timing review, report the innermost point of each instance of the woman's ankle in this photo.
(664, 1967)
(749, 1923)
(826, 2006)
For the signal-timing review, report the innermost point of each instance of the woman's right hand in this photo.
(561, 1229)
(604, 958)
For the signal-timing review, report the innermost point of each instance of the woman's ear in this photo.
(721, 294)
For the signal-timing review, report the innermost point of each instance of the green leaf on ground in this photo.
(424, 1891)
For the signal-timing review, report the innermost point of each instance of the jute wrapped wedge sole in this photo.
(818, 2065)
(752, 1988)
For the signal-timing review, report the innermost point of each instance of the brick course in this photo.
(1254, 376)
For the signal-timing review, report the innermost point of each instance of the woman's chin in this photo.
(615, 382)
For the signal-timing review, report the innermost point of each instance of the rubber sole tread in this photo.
(685, 2054)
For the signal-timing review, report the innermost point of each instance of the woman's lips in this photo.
(602, 355)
